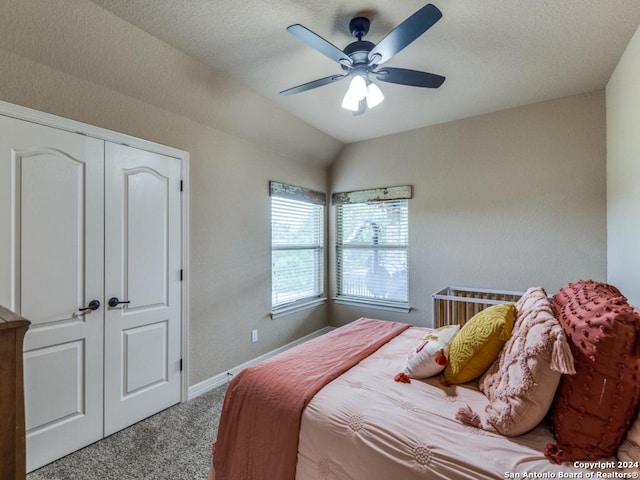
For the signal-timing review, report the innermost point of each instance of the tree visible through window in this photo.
(372, 243)
(297, 245)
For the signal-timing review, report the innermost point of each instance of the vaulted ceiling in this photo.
(495, 54)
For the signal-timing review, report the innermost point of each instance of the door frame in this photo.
(61, 123)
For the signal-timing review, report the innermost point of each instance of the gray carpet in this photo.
(174, 444)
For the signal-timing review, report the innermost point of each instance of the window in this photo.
(297, 248)
(372, 240)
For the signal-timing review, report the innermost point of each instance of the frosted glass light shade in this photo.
(374, 95)
(358, 88)
(349, 103)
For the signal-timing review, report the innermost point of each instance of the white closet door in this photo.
(142, 268)
(51, 266)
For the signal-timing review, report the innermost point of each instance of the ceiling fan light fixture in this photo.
(349, 103)
(361, 59)
(358, 88)
(374, 95)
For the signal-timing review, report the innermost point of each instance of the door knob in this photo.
(114, 302)
(93, 305)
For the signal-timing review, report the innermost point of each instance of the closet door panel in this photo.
(142, 268)
(146, 249)
(51, 205)
(56, 384)
(51, 266)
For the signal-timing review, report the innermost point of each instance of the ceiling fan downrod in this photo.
(359, 27)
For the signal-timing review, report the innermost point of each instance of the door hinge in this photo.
(180, 364)
(181, 274)
(182, 185)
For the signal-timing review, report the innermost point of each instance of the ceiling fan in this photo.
(360, 60)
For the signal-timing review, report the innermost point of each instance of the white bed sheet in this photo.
(364, 425)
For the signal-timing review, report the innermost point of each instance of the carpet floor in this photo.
(174, 444)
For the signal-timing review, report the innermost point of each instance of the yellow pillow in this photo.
(478, 343)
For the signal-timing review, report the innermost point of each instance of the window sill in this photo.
(391, 307)
(296, 307)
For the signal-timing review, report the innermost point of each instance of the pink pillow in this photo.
(629, 450)
(521, 384)
(594, 408)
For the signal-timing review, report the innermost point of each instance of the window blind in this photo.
(297, 242)
(372, 240)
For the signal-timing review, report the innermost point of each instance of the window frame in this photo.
(314, 198)
(370, 196)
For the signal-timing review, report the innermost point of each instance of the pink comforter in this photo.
(260, 421)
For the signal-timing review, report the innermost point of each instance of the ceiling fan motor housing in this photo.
(358, 52)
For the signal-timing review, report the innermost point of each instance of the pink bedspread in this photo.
(260, 420)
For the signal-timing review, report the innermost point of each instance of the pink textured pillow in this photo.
(521, 384)
(629, 450)
(532, 300)
(594, 407)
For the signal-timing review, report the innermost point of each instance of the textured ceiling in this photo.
(496, 54)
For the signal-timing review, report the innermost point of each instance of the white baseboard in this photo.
(222, 378)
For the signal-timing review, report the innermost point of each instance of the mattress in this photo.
(364, 425)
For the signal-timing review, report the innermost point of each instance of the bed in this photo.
(407, 431)
(358, 423)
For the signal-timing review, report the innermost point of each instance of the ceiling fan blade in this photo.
(404, 34)
(318, 43)
(314, 84)
(412, 78)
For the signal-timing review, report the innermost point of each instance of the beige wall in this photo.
(73, 59)
(506, 200)
(623, 173)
